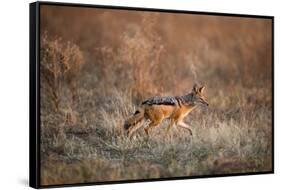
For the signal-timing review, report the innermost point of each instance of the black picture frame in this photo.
(34, 93)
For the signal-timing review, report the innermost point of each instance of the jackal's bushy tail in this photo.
(134, 119)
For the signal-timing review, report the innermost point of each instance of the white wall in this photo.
(14, 92)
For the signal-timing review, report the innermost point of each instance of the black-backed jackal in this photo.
(156, 109)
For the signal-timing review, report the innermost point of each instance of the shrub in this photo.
(60, 64)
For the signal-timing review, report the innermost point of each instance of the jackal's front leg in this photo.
(172, 122)
(185, 126)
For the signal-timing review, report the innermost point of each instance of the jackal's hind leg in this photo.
(151, 125)
(185, 126)
(134, 128)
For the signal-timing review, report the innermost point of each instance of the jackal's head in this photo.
(197, 95)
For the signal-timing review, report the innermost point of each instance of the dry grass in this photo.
(222, 143)
(154, 54)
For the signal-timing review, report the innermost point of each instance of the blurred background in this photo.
(182, 48)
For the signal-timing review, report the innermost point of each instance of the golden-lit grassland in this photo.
(98, 65)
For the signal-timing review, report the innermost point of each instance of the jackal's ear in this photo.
(201, 89)
(195, 88)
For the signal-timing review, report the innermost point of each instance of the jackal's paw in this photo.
(189, 131)
(146, 131)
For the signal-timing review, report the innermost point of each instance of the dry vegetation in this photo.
(97, 66)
